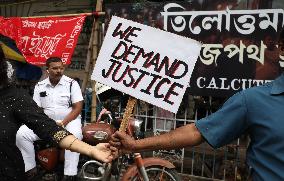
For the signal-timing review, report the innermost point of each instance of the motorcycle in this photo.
(50, 160)
(126, 167)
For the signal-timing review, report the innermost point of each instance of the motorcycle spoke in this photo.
(140, 178)
(162, 174)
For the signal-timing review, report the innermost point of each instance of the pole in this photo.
(96, 13)
(95, 47)
(88, 60)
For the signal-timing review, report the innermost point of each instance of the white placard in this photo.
(147, 63)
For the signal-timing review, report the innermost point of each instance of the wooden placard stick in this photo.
(127, 114)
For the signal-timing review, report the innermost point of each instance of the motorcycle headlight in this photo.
(136, 125)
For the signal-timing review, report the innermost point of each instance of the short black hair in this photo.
(52, 59)
(280, 43)
(281, 36)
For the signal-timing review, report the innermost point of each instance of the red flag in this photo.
(41, 38)
(10, 27)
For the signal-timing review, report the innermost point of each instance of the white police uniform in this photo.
(55, 100)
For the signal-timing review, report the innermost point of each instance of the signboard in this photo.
(146, 63)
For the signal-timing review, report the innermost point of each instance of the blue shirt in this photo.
(260, 112)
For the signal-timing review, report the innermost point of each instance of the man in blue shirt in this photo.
(258, 111)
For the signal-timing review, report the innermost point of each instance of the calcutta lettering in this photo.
(225, 84)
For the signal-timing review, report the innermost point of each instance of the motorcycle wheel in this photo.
(159, 173)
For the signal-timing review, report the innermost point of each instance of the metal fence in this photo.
(194, 163)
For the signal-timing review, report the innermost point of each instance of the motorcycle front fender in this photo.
(133, 170)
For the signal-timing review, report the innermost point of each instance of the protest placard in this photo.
(147, 63)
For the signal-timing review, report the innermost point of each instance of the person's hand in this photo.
(60, 123)
(123, 142)
(102, 152)
(114, 152)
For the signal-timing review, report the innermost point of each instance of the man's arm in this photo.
(77, 104)
(184, 136)
(76, 110)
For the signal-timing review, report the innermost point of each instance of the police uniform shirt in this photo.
(55, 99)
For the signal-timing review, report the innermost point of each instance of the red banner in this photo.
(41, 38)
(10, 27)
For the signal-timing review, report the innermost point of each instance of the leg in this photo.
(24, 140)
(72, 158)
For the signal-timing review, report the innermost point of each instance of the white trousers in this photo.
(25, 138)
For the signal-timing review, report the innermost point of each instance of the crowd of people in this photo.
(53, 114)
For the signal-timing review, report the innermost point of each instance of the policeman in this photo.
(61, 99)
